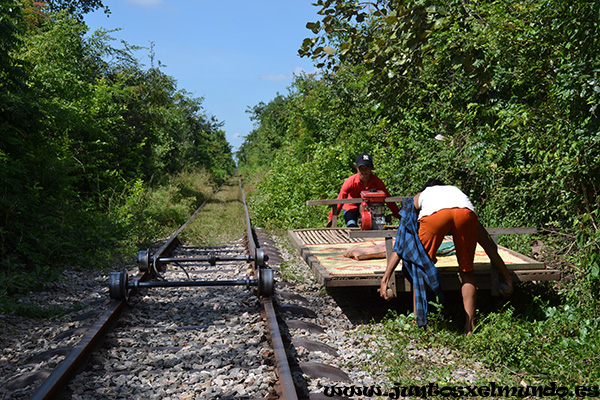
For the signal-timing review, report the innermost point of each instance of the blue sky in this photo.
(234, 53)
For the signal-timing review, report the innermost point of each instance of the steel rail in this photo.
(173, 241)
(249, 233)
(61, 375)
(288, 389)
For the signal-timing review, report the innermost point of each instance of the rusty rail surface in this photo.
(288, 389)
(61, 376)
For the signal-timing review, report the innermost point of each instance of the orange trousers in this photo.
(461, 223)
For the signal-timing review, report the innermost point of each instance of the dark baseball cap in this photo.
(364, 159)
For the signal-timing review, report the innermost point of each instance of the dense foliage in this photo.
(85, 130)
(497, 97)
(76, 7)
(510, 89)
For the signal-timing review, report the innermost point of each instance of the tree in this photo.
(76, 8)
(82, 122)
(510, 91)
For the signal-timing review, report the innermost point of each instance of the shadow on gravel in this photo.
(363, 304)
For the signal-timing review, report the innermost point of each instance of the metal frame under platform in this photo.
(486, 275)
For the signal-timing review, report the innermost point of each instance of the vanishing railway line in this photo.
(201, 322)
(189, 321)
(196, 308)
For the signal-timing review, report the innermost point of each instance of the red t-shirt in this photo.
(351, 190)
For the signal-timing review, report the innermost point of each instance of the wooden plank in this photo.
(382, 233)
(350, 238)
(322, 236)
(529, 260)
(511, 231)
(547, 274)
(449, 278)
(303, 236)
(334, 216)
(341, 235)
(315, 237)
(306, 239)
(328, 202)
(332, 202)
(389, 247)
(354, 282)
(332, 236)
(320, 272)
(392, 232)
(392, 284)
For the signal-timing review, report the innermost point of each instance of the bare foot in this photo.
(469, 326)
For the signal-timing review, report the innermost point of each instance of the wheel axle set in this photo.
(120, 285)
(158, 263)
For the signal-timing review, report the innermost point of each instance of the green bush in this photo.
(146, 214)
(85, 130)
(497, 97)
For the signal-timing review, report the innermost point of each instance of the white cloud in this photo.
(146, 3)
(299, 70)
(282, 77)
(275, 77)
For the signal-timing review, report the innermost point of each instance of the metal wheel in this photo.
(143, 260)
(117, 285)
(266, 282)
(259, 258)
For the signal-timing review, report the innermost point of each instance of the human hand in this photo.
(385, 291)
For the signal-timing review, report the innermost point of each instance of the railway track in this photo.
(202, 323)
(211, 340)
(198, 308)
(217, 333)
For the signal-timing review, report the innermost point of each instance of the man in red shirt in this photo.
(363, 180)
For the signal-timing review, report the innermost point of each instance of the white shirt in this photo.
(435, 198)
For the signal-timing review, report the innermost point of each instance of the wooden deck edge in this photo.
(321, 273)
(449, 280)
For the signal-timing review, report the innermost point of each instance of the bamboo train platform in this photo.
(323, 250)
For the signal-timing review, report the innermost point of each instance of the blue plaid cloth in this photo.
(415, 260)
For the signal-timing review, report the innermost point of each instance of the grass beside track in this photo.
(144, 215)
(544, 334)
(221, 220)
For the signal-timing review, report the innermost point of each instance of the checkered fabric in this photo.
(415, 260)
